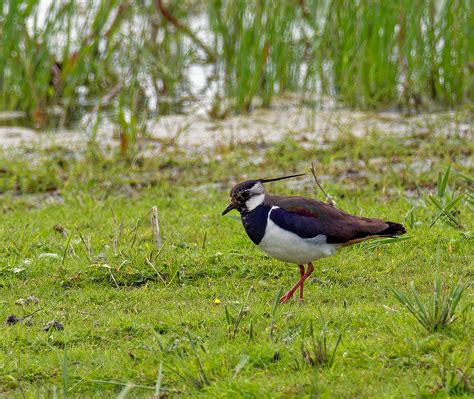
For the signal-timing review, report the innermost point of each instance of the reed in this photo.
(85, 56)
(88, 56)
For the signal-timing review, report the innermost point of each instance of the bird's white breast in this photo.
(289, 247)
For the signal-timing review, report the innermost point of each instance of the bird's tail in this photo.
(393, 230)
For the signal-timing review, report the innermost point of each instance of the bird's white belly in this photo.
(289, 247)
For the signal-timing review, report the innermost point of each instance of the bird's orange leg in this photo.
(285, 298)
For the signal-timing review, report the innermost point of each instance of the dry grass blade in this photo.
(242, 363)
(330, 201)
(156, 227)
(158, 380)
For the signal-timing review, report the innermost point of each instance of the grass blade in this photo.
(125, 391)
(66, 248)
(158, 380)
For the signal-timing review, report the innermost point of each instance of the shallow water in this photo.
(196, 130)
(200, 86)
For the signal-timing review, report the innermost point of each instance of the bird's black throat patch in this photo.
(255, 222)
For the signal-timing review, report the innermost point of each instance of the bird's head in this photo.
(246, 196)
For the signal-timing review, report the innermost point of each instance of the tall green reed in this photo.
(79, 55)
(260, 53)
(365, 54)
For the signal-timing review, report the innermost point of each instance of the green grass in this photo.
(436, 314)
(137, 320)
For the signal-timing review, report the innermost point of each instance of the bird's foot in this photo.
(285, 298)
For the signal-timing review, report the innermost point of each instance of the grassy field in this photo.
(91, 307)
(198, 317)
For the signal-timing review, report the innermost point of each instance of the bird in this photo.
(300, 230)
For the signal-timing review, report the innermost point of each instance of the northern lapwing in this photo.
(300, 230)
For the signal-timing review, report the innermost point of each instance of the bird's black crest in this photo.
(248, 184)
(245, 185)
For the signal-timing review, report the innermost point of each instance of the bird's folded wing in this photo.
(309, 218)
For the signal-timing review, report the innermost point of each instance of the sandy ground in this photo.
(198, 131)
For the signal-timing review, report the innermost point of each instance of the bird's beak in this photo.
(229, 208)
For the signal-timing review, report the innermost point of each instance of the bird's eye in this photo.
(245, 195)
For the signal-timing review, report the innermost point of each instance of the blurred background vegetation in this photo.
(133, 60)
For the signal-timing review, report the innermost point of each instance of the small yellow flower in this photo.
(217, 301)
